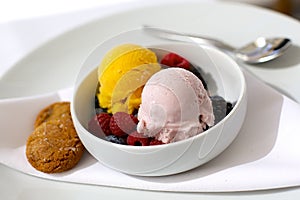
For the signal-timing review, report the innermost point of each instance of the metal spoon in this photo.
(259, 51)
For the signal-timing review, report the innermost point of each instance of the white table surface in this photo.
(24, 25)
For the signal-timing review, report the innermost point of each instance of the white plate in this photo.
(55, 64)
(62, 56)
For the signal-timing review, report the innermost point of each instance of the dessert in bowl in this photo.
(176, 122)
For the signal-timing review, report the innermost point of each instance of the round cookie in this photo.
(54, 146)
(53, 111)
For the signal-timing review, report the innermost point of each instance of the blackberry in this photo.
(197, 72)
(229, 107)
(219, 107)
(115, 139)
(97, 105)
(98, 109)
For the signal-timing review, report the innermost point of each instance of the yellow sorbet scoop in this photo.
(122, 74)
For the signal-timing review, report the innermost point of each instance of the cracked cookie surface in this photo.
(54, 145)
(53, 111)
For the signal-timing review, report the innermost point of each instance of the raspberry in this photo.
(137, 139)
(155, 142)
(93, 126)
(100, 123)
(174, 60)
(104, 119)
(122, 123)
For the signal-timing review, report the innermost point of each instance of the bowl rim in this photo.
(241, 95)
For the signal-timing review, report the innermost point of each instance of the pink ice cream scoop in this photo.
(175, 106)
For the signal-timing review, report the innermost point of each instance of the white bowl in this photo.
(223, 77)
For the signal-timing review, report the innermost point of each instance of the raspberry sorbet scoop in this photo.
(175, 106)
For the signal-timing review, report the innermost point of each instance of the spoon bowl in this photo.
(259, 51)
(263, 50)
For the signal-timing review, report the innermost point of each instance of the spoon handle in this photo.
(184, 37)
